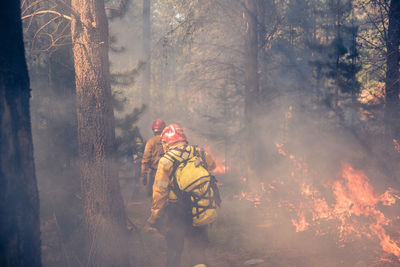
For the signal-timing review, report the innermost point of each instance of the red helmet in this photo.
(158, 125)
(172, 134)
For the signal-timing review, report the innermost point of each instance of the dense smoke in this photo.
(282, 209)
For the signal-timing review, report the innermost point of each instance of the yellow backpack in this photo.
(193, 184)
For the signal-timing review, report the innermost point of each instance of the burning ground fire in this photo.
(350, 208)
(220, 167)
(220, 164)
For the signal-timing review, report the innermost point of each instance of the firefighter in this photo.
(168, 214)
(153, 151)
(137, 148)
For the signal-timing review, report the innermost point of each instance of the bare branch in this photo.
(41, 28)
(42, 12)
(29, 6)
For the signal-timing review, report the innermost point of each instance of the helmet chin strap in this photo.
(165, 146)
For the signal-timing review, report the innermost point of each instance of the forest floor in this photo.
(249, 231)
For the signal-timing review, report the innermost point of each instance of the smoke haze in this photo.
(297, 206)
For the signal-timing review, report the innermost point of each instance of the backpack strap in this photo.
(196, 199)
(195, 181)
(213, 180)
(176, 157)
(180, 155)
(201, 154)
(214, 186)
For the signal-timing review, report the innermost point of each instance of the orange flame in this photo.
(220, 164)
(300, 224)
(355, 206)
(220, 167)
(363, 199)
(251, 197)
(348, 206)
(280, 150)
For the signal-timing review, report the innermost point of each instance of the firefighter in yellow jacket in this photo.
(171, 215)
(153, 151)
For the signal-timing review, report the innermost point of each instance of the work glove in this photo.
(152, 224)
(143, 178)
(149, 228)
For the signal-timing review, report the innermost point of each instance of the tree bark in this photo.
(251, 77)
(103, 205)
(146, 52)
(19, 200)
(392, 109)
(251, 60)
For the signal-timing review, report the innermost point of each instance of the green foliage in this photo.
(337, 57)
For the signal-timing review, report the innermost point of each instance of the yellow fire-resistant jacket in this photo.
(152, 154)
(161, 191)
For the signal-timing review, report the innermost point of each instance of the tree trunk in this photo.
(146, 52)
(392, 109)
(103, 205)
(338, 30)
(19, 200)
(251, 60)
(251, 80)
